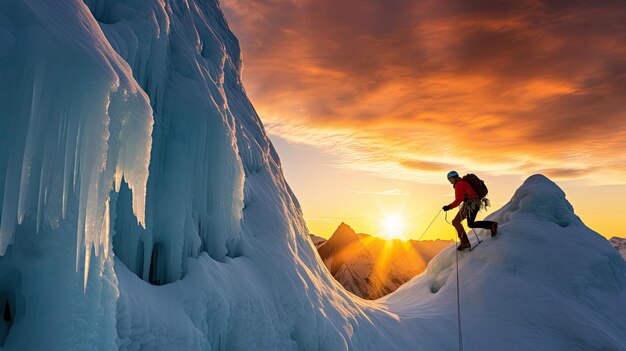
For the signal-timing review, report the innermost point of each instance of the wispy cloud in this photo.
(390, 192)
(408, 89)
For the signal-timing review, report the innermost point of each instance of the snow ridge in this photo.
(546, 279)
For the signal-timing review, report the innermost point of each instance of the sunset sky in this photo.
(371, 103)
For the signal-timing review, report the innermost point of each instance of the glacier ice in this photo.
(62, 136)
(143, 207)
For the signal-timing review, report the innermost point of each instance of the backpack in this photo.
(478, 185)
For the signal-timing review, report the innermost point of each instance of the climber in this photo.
(472, 201)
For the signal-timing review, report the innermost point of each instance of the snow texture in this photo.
(142, 207)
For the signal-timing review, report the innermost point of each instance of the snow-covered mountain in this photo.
(371, 267)
(408, 257)
(352, 264)
(619, 244)
(144, 208)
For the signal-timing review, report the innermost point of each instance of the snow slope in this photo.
(143, 207)
(545, 282)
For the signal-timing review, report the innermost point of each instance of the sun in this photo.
(393, 227)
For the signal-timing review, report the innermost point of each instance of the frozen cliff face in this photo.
(187, 61)
(131, 157)
(73, 121)
(143, 207)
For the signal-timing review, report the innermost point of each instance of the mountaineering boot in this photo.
(494, 229)
(465, 244)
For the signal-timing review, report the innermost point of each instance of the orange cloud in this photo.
(407, 89)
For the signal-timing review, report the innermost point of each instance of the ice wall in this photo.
(127, 130)
(186, 60)
(73, 120)
(63, 136)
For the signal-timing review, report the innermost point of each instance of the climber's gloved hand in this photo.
(446, 208)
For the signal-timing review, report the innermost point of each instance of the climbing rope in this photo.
(458, 289)
(458, 294)
(431, 223)
(458, 302)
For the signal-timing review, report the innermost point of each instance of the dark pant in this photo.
(470, 214)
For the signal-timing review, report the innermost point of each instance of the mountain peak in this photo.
(344, 226)
(538, 198)
(344, 234)
(342, 244)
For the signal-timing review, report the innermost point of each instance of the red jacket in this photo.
(462, 190)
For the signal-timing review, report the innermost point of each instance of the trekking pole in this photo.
(477, 238)
(431, 223)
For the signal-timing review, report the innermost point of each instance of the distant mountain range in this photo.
(619, 244)
(371, 267)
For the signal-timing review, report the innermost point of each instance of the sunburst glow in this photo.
(393, 227)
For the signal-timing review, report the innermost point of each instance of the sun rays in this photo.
(393, 227)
